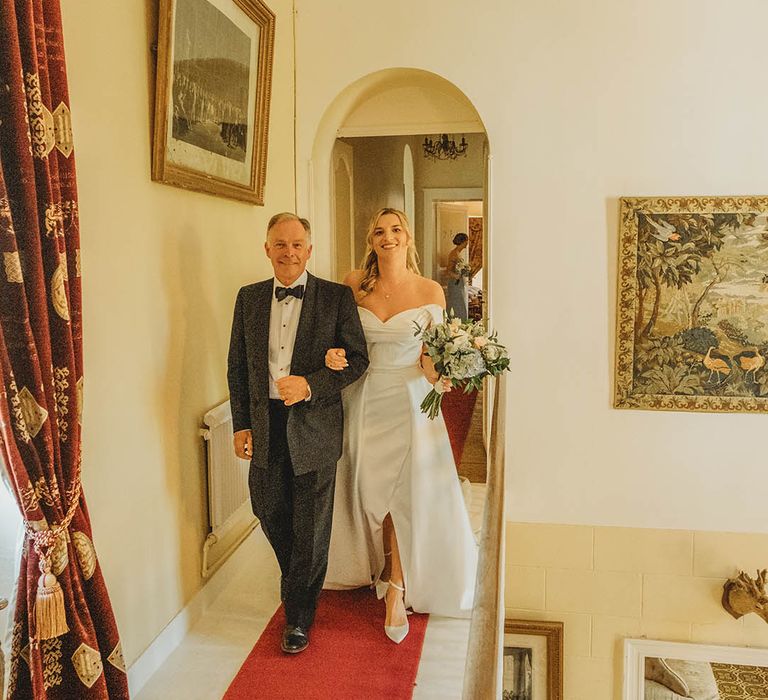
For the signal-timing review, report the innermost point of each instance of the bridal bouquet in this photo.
(463, 269)
(464, 353)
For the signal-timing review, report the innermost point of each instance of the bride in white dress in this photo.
(399, 516)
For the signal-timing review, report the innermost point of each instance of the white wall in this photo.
(583, 102)
(161, 268)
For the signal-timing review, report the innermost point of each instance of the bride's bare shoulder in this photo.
(431, 292)
(353, 279)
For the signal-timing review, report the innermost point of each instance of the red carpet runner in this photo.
(348, 658)
(457, 411)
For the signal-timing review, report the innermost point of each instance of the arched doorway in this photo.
(380, 123)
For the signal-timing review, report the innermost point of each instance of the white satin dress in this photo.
(397, 461)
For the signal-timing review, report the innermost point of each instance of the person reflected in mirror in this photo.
(287, 413)
(400, 521)
(457, 271)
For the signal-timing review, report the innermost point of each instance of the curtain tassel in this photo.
(50, 615)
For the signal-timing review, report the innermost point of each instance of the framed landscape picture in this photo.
(214, 74)
(656, 670)
(692, 304)
(533, 660)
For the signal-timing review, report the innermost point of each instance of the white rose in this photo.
(461, 339)
(491, 352)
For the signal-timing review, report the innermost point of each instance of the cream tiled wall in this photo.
(608, 583)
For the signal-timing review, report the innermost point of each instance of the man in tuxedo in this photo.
(286, 410)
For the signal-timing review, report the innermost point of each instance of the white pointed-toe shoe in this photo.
(396, 633)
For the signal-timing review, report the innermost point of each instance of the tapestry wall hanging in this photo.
(214, 74)
(692, 304)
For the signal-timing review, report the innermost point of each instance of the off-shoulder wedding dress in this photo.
(397, 461)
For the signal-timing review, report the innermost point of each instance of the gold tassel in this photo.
(50, 615)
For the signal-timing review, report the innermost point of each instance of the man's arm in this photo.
(349, 335)
(237, 372)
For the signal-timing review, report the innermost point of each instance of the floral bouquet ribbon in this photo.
(463, 352)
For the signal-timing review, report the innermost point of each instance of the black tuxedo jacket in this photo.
(328, 319)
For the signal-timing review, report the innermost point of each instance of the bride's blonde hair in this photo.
(370, 263)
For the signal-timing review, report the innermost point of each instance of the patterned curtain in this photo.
(475, 243)
(65, 643)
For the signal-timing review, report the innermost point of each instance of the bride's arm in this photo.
(430, 373)
(432, 293)
(336, 358)
(428, 367)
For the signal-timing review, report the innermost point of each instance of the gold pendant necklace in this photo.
(384, 289)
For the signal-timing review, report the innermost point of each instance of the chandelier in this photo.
(444, 148)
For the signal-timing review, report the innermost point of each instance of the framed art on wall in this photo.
(656, 670)
(214, 74)
(692, 304)
(533, 660)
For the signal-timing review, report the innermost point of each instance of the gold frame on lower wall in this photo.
(533, 660)
(695, 670)
(692, 304)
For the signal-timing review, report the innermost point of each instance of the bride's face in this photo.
(389, 238)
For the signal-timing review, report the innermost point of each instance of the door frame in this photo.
(342, 154)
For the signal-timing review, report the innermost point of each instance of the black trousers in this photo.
(296, 514)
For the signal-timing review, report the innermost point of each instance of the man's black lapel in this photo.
(262, 311)
(304, 330)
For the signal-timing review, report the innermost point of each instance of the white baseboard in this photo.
(155, 655)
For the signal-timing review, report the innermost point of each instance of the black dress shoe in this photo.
(294, 640)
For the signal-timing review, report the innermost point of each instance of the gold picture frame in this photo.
(214, 77)
(533, 660)
(692, 304)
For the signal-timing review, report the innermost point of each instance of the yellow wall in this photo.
(609, 583)
(161, 267)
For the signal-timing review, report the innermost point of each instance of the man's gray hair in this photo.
(289, 216)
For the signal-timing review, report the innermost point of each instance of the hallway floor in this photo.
(205, 663)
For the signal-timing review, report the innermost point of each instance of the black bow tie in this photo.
(282, 292)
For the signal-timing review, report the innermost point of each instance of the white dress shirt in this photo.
(283, 324)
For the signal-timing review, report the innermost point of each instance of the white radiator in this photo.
(229, 506)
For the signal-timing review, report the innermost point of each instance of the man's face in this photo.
(288, 249)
